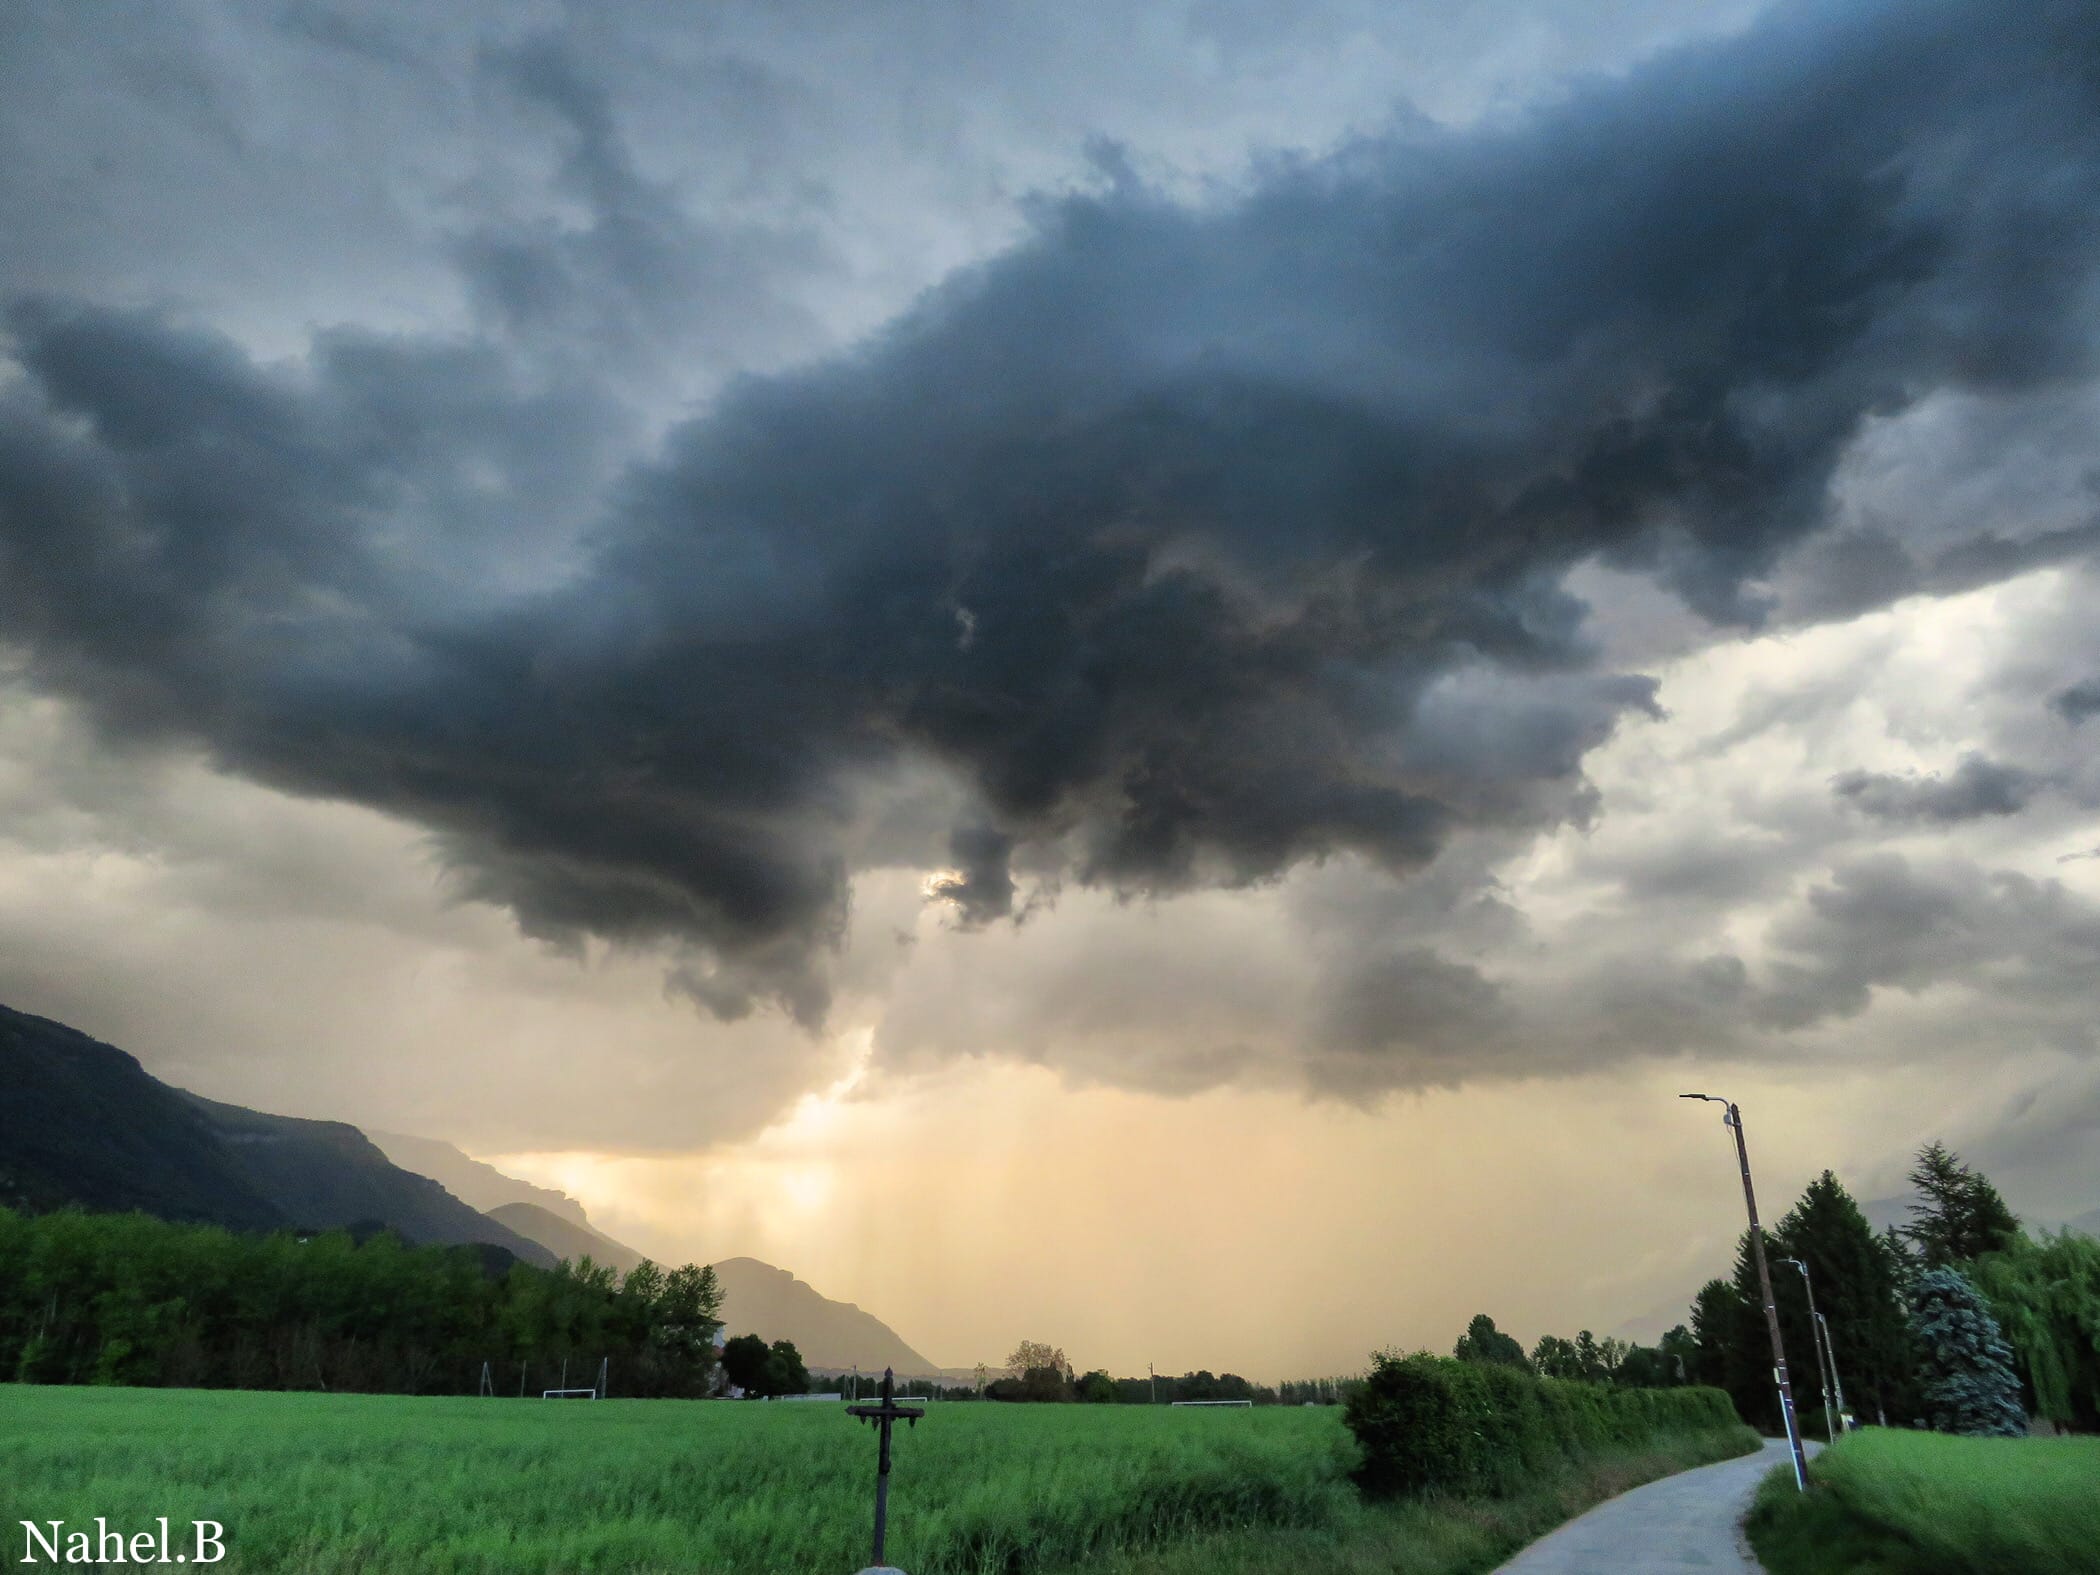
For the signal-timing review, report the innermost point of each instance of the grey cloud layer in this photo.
(1188, 542)
(1978, 786)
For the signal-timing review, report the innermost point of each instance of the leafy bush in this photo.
(2045, 1294)
(1044, 1385)
(1431, 1423)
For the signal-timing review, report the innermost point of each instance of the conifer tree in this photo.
(1965, 1367)
(1959, 1215)
(1747, 1346)
(1715, 1314)
(1858, 1289)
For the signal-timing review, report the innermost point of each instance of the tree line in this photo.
(1887, 1298)
(1036, 1372)
(1958, 1320)
(129, 1299)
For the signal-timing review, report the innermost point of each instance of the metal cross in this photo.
(884, 1416)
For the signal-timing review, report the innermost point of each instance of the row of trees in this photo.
(1952, 1321)
(1894, 1300)
(763, 1370)
(1042, 1373)
(1587, 1358)
(128, 1299)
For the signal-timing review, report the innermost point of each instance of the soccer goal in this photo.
(597, 1392)
(1210, 1402)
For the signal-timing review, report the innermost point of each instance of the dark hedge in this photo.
(1432, 1423)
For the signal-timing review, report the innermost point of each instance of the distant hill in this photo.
(1649, 1327)
(563, 1238)
(760, 1299)
(328, 1174)
(756, 1298)
(82, 1122)
(478, 1185)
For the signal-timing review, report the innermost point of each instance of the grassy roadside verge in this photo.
(1436, 1535)
(1884, 1502)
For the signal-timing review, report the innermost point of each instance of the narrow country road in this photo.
(1685, 1522)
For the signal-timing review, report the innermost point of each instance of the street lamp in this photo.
(1837, 1384)
(1826, 1358)
(1834, 1389)
(1732, 1117)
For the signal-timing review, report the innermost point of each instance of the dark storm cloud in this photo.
(1407, 1017)
(1978, 787)
(983, 886)
(2080, 701)
(1188, 542)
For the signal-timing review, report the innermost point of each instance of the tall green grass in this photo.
(1901, 1503)
(1439, 1534)
(327, 1484)
(337, 1483)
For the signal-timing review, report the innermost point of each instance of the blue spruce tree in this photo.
(1965, 1372)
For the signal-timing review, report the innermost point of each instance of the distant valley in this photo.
(84, 1123)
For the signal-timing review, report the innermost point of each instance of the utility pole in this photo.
(1734, 1118)
(885, 1416)
(1837, 1384)
(1826, 1359)
(1149, 1373)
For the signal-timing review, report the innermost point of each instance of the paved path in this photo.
(1681, 1523)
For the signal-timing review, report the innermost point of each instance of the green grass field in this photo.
(1899, 1503)
(330, 1483)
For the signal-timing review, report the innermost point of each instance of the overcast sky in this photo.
(1142, 676)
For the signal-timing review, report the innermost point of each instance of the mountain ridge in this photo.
(329, 1174)
(80, 1125)
(757, 1298)
(474, 1182)
(86, 1124)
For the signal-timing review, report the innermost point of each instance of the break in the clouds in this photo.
(1275, 544)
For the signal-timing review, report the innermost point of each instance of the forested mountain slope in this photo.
(82, 1122)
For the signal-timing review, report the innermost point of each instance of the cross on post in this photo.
(885, 1416)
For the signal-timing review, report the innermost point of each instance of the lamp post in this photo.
(1817, 1330)
(1837, 1384)
(1733, 1117)
(1832, 1387)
